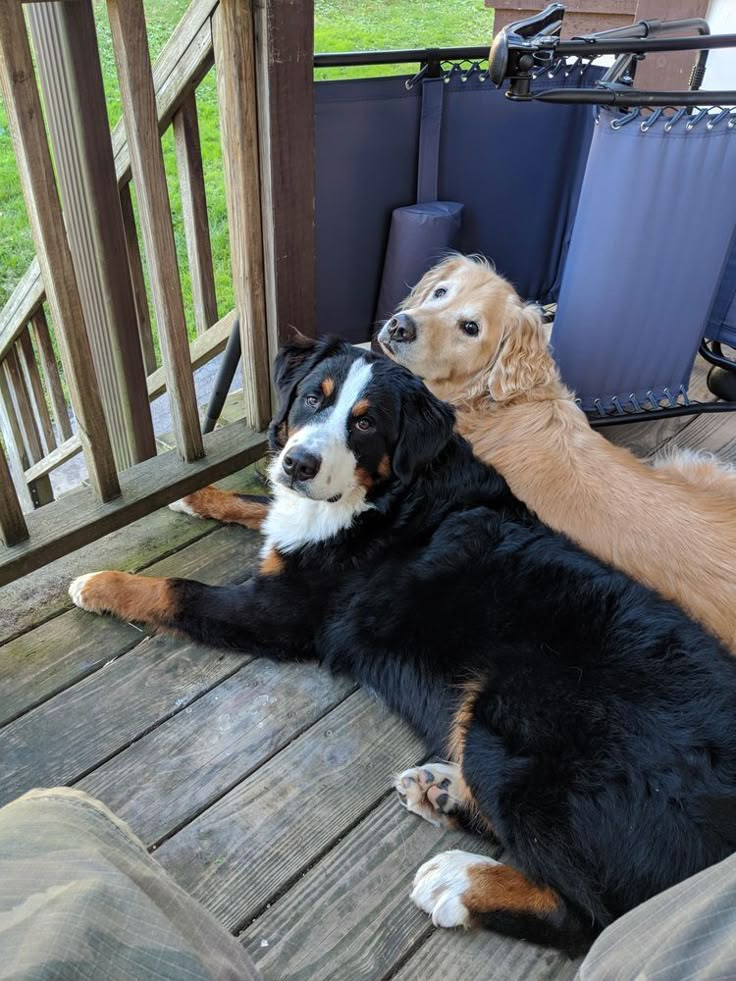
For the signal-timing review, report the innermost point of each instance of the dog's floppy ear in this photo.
(426, 427)
(524, 361)
(291, 365)
(294, 362)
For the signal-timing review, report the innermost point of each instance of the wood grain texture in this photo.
(78, 518)
(477, 955)
(234, 48)
(130, 44)
(249, 845)
(21, 397)
(350, 916)
(194, 212)
(137, 280)
(65, 43)
(35, 389)
(25, 299)
(22, 104)
(284, 57)
(12, 523)
(40, 329)
(65, 737)
(55, 655)
(14, 448)
(36, 598)
(171, 775)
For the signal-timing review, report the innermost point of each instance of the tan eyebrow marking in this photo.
(361, 407)
(328, 386)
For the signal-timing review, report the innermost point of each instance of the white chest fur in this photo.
(294, 521)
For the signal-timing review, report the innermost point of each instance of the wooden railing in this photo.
(98, 304)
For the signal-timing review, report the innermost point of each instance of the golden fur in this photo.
(672, 525)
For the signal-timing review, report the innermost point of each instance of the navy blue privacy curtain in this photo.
(650, 265)
(516, 169)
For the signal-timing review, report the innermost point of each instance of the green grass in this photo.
(340, 25)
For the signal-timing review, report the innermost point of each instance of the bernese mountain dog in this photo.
(590, 726)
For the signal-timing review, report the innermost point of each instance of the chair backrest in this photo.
(516, 169)
(650, 242)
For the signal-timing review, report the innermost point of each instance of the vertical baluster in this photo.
(46, 353)
(74, 99)
(234, 44)
(194, 210)
(12, 523)
(137, 280)
(35, 388)
(130, 44)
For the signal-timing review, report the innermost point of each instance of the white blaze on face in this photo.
(299, 517)
(327, 439)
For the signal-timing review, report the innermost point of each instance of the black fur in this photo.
(603, 746)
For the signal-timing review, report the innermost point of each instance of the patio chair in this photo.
(650, 264)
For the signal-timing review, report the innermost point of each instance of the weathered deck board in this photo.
(172, 774)
(82, 727)
(361, 888)
(55, 655)
(36, 598)
(249, 845)
(455, 955)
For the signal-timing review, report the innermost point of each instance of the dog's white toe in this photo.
(440, 884)
(184, 508)
(76, 591)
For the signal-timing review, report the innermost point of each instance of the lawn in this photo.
(340, 25)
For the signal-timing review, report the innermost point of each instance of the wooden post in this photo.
(12, 523)
(137, 279)
(130, 43)
(23, 106)
(74, 99)
(194, 210)
(234, 47)
(285, 36)
(51, 372)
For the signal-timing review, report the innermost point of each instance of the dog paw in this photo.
(82, 592)
(431, 791)
(441, 883)
(185, 505)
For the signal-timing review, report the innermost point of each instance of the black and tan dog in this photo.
(591, 726)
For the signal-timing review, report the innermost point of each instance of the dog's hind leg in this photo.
(461, 889)
(438, 793)
(225, 506)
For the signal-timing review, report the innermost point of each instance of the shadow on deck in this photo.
(264, 789)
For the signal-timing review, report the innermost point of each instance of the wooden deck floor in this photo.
(263, 789)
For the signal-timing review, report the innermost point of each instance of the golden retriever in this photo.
(467, 333)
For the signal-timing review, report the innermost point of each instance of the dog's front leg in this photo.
(249, 510)
(262, 611)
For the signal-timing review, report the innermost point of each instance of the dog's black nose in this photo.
(301, 465)
(402, 328)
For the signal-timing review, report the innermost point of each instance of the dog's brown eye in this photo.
(313, 401)
(364, 424)
(439, 292)
(471, 328)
